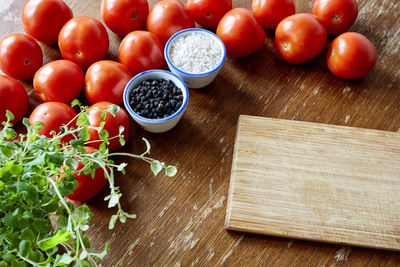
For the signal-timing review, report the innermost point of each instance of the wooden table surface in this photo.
(180, 220)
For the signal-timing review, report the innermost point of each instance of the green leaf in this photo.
(103, 253)
(72, 163)
(122, 140)
(59, 237)
(103, 117)
(5, 150)
(102, 124)
(16, 263)
(121, 167)
(38, 125)
(76, 143)
(39, 159)
(9, 133)
(84, 212)
(1, 184)
(8, 257)
(102, 148)
(64, 259)
(82, 120)
(27, 123)
(86, 241)
(113, 220)
(171, 171)
(104, 135)
(147, 146)
(114, 200)
(24, 248)
(16, 169)
(131, 216)
(56, 158)
(9, 115)
(155, 167)
(10, 220)
(83, 255)
(75, 102)
(113, 109)
(27, 234)
(122, 218)
(51, 206)
(84, 134)
(121, 129)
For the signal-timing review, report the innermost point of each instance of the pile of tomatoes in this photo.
(83, 42)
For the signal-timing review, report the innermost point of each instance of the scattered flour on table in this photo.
(195, 53)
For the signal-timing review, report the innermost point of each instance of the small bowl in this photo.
(156, 125)
(195, 80)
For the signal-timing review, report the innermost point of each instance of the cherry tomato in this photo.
(124, 16)
(111, 125)
(83, 40)
(140, 51)
(20, 56)
(351, 56)
(208, 13)
(43, 19)
(168, 17)
(105, 81)
(13, 97)
(270, 12)
(240, 32)
(299, 38)
(336, 15)
(88, 186)
(58, 81)
(53, 115)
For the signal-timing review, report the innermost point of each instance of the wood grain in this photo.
(180, 220)
(316, 182)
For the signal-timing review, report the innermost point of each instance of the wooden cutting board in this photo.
(316, 182)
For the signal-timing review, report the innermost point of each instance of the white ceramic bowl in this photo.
(195, 80)
(156, 125)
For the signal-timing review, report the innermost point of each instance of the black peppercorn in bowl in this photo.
(156, 100)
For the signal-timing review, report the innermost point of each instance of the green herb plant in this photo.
(38, 225)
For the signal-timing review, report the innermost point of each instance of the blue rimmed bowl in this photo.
(195, 80)
(156, 125)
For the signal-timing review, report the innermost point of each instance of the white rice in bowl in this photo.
(195, 53)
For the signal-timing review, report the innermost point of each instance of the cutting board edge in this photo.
(233, 170)
(266, 233)
(334, 126)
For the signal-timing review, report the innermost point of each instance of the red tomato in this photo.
(83, 40)
(208, 13)
(105, 81)
(58, 81)
(336, 15)
(53, 115)
(168, 17)
(351, 56)
(43, 19)
(124, 16)
(20, 56)
(88, 186)
(300, 38)
(112, 125)
(240, 32)
(140, 51)
(12, 97)
(270, 12)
